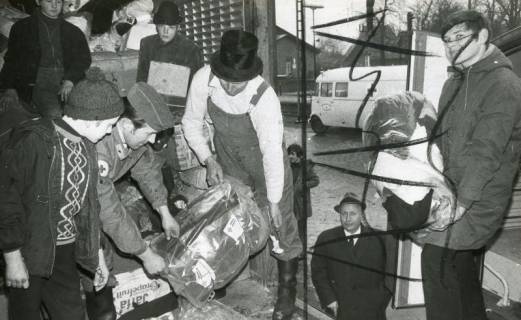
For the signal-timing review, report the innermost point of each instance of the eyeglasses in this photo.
(456, 38)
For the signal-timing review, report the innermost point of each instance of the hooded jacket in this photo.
(481, 146)
(30, 174)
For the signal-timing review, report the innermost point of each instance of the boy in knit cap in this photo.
(49, 210)
(128, 149)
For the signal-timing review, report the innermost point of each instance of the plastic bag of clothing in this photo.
(402, 118)
(110, 41)
(139, 10)
(214, 310)
(219, 231)
(70, 6)
(81, 20)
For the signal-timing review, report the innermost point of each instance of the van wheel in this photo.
(317, 126)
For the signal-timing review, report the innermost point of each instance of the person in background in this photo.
(480, 116)
(247, 118)
(128, 149)
(348, 271)
(296, 158)
(45, 57)
(49, 209)
(168, 46)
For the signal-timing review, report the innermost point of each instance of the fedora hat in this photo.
(167, 13)
(349, 198)
(237, 59)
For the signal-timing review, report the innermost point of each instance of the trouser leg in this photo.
(100, 305)
(26, 303)
(440, 284)
(287, 289)
(473, 306)
(61, 293)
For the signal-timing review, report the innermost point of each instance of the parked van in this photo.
(336, 100)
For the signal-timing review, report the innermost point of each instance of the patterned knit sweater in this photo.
(74, 180)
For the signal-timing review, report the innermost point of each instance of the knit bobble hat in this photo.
(94, 98)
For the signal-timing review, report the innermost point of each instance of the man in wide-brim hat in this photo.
(347, 269)
(246, 114)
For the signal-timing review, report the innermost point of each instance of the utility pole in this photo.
(313, 7)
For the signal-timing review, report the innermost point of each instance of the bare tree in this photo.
(431, 14)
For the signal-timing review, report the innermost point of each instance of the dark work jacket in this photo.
(29, 206)
(361, 294)
(22, 58)
(312, 180)
(481, 147)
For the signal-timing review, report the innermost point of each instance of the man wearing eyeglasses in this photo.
(479, 115)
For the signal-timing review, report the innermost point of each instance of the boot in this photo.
(287, 290)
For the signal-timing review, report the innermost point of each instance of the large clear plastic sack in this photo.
(214, 310)
(137, 10)
(402, 118)
(82, 20)
(218, 232)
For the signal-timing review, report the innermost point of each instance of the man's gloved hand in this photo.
(16, 274)
(152, 262)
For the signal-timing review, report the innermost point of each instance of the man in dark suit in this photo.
(347, 270)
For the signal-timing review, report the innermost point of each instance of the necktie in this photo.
(350, 243)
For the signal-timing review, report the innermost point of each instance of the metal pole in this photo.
(314, 48)
(304, 116)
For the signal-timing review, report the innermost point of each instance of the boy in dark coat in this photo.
(45, 57)
(49, 209)
(296, 158)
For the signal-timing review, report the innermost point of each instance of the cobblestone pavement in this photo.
(333, 184)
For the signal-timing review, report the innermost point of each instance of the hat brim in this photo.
(339, 206)
(174, 22)
(233, 75)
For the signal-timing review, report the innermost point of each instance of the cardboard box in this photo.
(136, 288)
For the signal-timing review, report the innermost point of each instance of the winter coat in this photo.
(312, 181)
(481, 146)
(29, 205)
(338, 274)
(115, 159)
(22, 58)
(180, 51)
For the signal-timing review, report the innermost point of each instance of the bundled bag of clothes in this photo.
(418, 198)
(219, 231)
(137, 10)
(213, 310)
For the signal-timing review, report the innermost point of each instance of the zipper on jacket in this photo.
(467, 80)
(53, 255)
